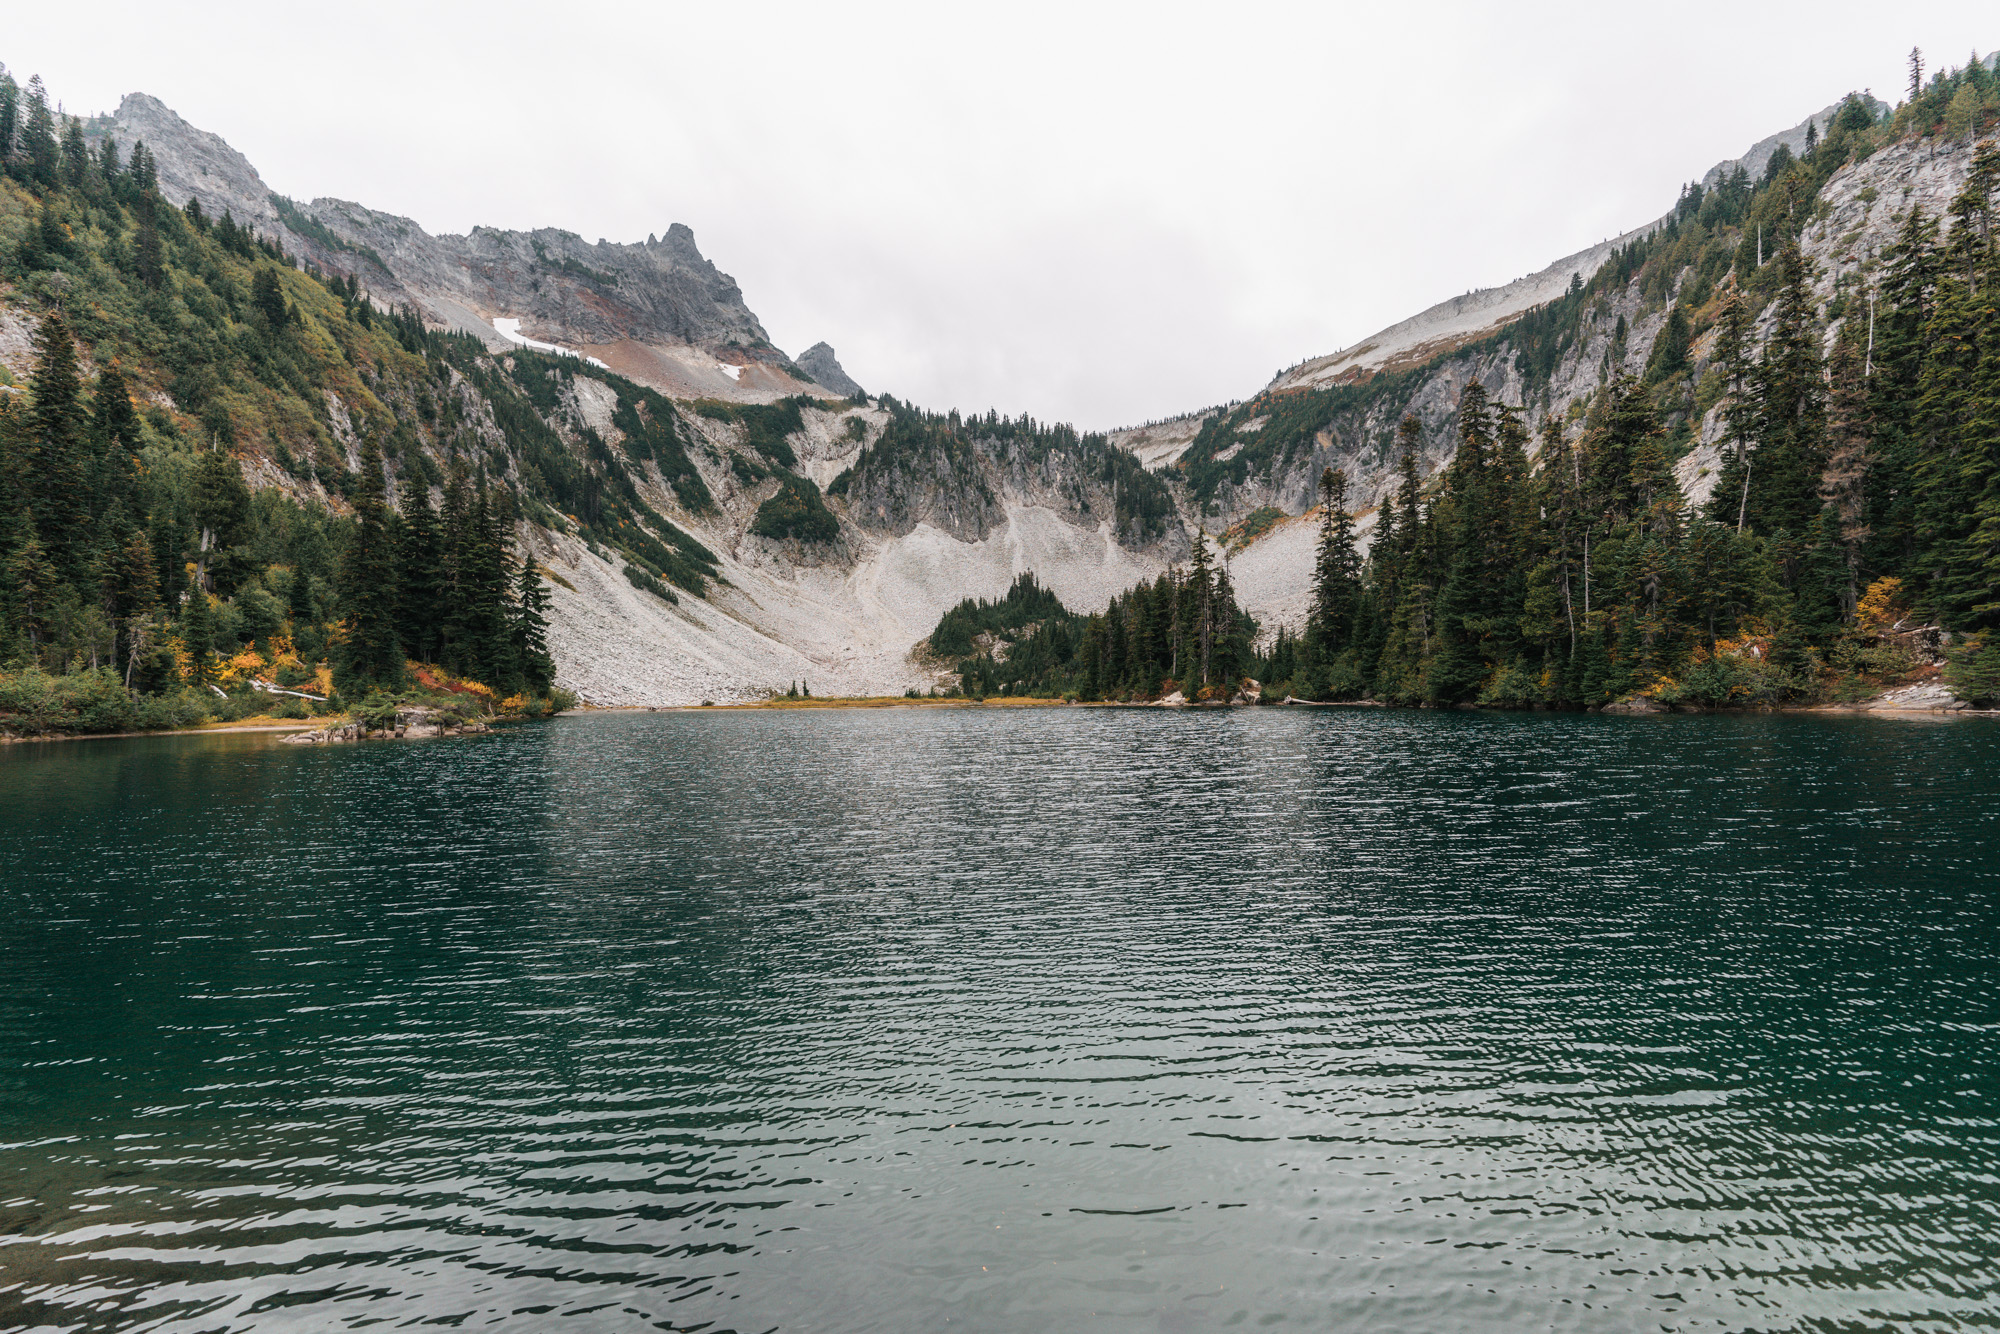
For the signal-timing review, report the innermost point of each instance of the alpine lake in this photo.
(1039, 1020)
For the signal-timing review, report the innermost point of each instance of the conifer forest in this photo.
(187, 520)
(1858, 508)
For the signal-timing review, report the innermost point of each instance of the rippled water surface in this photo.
(1051, 1020)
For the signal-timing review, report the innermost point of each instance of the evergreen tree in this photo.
(10, 114)
(268, 298)
(1336, 569)
(220, 509)
(422, 590)
(198, 637)
(38, 144)
(33, 588)
(1196, 618)
(1844, 485)
(56, 471)
(135, 596)
(531, 622)
(1790, 405)
(370, 655)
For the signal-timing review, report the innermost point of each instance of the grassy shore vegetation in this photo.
(143, 583)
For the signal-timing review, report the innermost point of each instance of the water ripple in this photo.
(1015, 1021)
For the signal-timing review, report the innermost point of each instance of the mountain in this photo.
(657, 311)
(711, 519)
(1534, 342)
(819, 362)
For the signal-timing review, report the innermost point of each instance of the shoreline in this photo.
(1029, 702)
(210, 729)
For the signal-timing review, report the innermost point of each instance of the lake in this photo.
(1048, 1020)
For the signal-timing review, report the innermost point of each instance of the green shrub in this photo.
(33, 703)
(797, 512)
(1972, 670)
(639, 578)
(1729, 680)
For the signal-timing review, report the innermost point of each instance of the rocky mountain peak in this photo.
(662, 294)
(192, 163)
(819, 362)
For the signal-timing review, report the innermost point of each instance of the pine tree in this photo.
(135, 596)
(1730, 500)
(220, 509)
(370, 656)
(1196, 624)
(33, 585)
(10, 114)
(1669, 357)
(1791, 405)
(114, 427)
(1336, 569)
(75, 154)
(198, 637)
(57, 470)
(422, 590)
(531, 623)
(1229, 649)
(268, 298)
(1844, 484)
(38, 144)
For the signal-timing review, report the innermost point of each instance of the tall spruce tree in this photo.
(57, 471)
(1336, 569)
(422, 590)
(1844, 484)
(370, 657)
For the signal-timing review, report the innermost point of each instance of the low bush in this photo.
(33, 703)
(1732, 679)
(1972, 669)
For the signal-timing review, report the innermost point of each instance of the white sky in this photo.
(1100, 214)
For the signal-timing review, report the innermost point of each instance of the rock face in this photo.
(658, 310)
(819, 362)
(192, 163)
(1862, 205)
(1924, 697)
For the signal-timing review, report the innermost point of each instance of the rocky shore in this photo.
(411, 721)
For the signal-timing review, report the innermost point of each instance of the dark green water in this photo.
(1011, 1021)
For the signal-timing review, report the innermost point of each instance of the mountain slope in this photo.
(659, 311)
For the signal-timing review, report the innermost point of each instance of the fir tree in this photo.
(268, 298)
(531, 622)
(38, 144)
(198, 637)
(422, 590)
(1844, 484)
(56, 472)
(1336, 568)
(370, 655)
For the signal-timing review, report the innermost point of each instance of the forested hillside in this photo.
(1850, 530)
(173, 353)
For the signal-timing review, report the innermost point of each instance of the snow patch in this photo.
(510, 329)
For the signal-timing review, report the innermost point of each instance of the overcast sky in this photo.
(1100, 214)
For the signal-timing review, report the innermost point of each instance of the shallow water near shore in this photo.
(1038, 1020)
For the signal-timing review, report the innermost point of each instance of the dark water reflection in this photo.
(1026, 1021)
